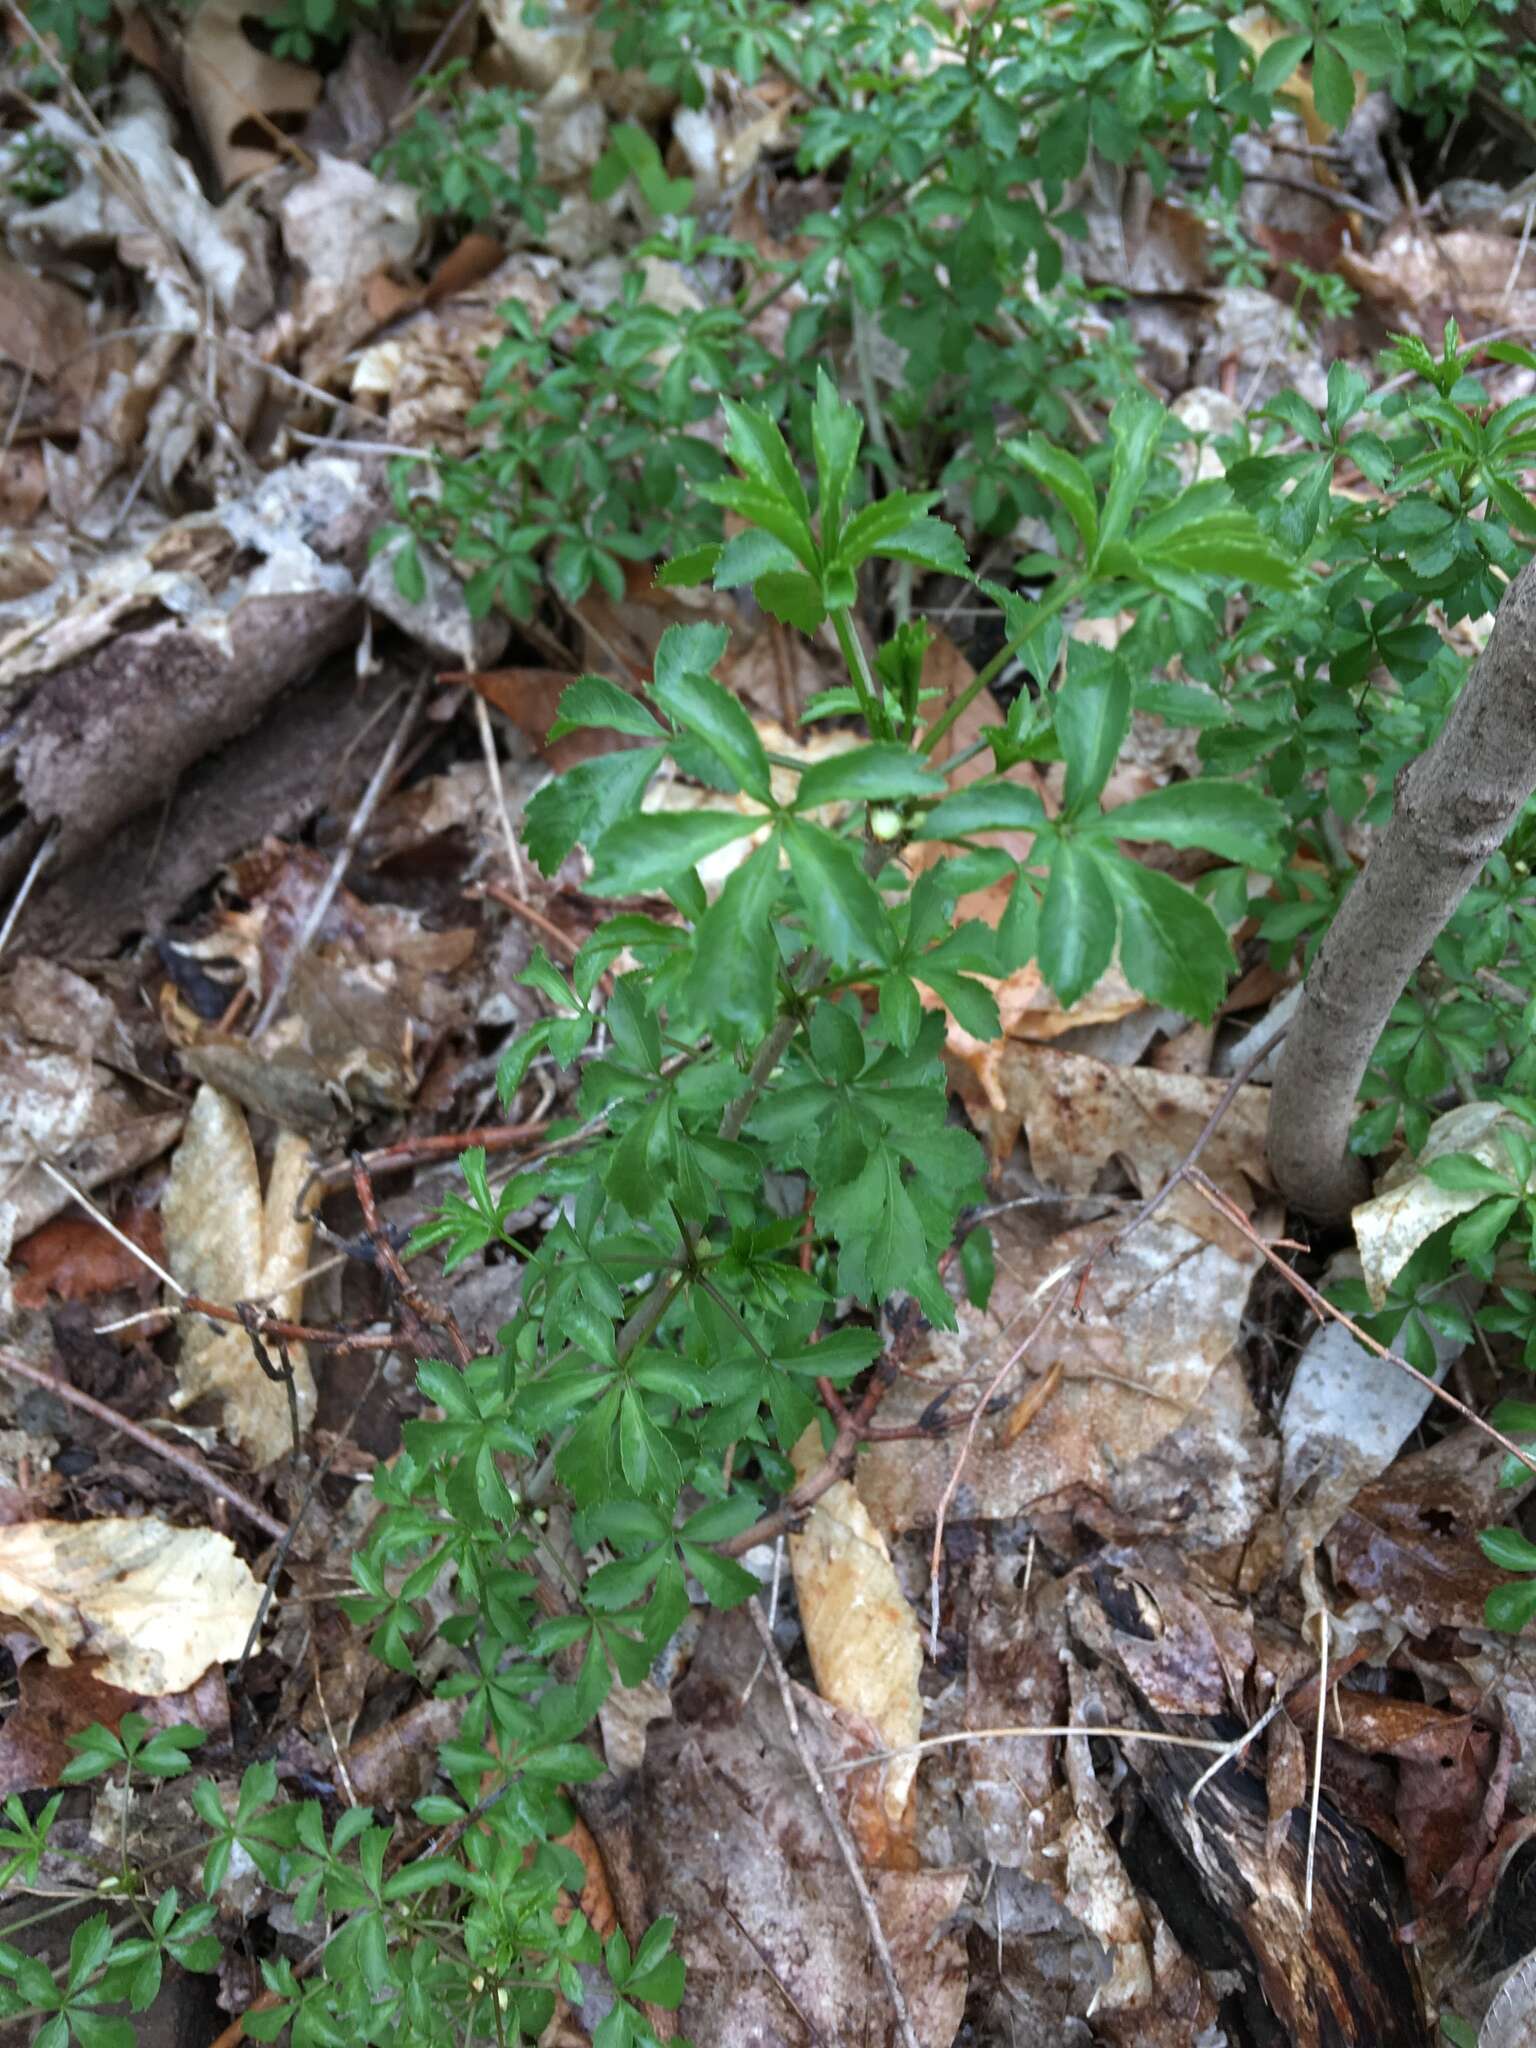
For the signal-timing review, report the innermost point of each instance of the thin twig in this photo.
(417, 93)
(445, 1145)
(818, 2038)
(835, 1822)
(498, 790)
(1317, 1756)
(169, 1279)
(773, 1615)
(1185, 1169)
(1047, 1731)
(1324, 1309)
(337, 1757)
(172, 1454)
(1331, 195)
(508, 900)
(319, 909)
(1235, 1749)
(168, 330)
(421, 1311)
(35, 867)
(280, 1329)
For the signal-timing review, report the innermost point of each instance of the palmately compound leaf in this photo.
(652, 850)
(578, 807)
(1172, 944)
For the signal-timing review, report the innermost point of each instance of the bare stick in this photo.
(1235, 1749)
(498, 790)
(1317, 1757)
(172, 1454)
(834, 1820)
(1046, 1731)
(35, 867)
(332, 883)
(1451, 810)
(418, 1309)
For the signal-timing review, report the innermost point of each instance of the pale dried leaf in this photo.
(223, 1242)
(1080, 1113)
(229, 82)
(542, 56)
(1511, 2019)
(1347, 1414)
(1391, 1226)
(340, 226)
(862, 1636)
(157, 1605)
(1419, 278)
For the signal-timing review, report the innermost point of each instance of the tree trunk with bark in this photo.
(1453, 808)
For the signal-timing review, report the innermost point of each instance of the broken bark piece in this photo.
(300, 759)
(251, 600)
(1336, 1974)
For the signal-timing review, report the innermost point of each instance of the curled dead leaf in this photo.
(862, 1636)
(224, 1243)
(155, 1605)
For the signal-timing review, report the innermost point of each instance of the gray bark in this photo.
(1454, 806)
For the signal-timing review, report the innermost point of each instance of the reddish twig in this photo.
(510, 900)
(421, 1311)
(284, 1332)
(446, 1145)
(172, 1454)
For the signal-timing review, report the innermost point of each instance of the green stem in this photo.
(1060, 595)
(723, 1303)
(858, 668)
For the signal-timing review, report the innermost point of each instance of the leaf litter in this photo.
(1131, 1534)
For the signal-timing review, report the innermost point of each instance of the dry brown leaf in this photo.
(224, 1243)
(726, 1827)
(861, 1634)
(1080, 1113)
(156, 1605)
(60, 1101)
(240, 95)
(1154, 1324)
(543, 56)
(47, 366)
(57, 1701)
(75, 1257)
(1029, 1009)
(1419, 279)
